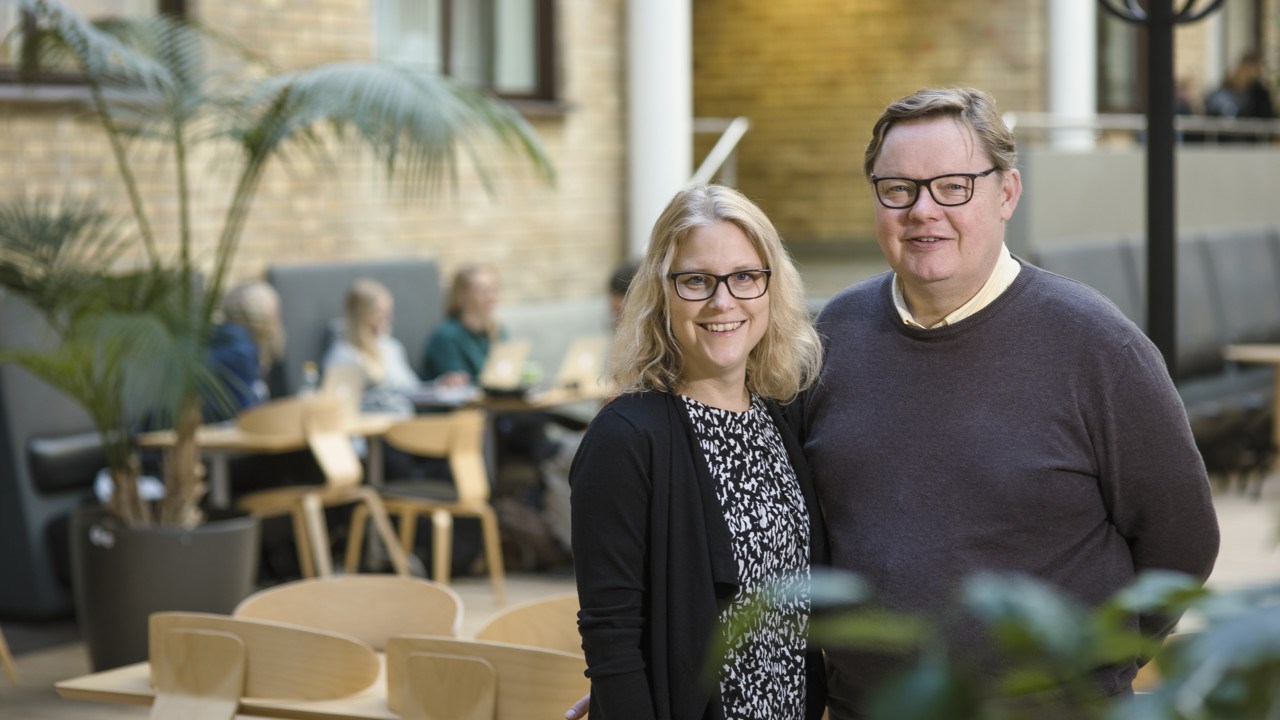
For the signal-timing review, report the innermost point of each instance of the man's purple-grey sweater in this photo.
(1041, 435)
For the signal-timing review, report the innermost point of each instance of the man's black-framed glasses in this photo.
(947, 190)
(742, 284)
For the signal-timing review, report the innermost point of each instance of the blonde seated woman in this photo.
(368, 344)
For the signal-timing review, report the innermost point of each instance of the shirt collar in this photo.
(1002, 276)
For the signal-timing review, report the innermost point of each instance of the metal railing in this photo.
(1208, 129)
(722, 159)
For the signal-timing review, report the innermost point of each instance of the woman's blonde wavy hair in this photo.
(645, 355)
(363, 297)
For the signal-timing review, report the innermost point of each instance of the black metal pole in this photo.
(1161, 248)
(1159, 19)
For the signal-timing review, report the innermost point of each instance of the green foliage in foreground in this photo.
(1227, 669)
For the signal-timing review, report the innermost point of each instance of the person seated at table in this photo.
(367, 343)
(244, 346)
(456, 352)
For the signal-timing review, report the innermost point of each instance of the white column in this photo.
(659, 110)
(1073, 59)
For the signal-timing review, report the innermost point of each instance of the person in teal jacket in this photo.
(456, 352)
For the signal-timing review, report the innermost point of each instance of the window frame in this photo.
(544, 92)
(10, 75)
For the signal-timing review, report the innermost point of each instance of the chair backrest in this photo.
(449, 686)
(200, 674)
(324, 422)
(345, 382)
(550, 623)
(369, 608)
(313, 294)
(1246, 275)
(532, 682)
(275, 417)
(1201, 328)
(457, 436)
(282, 661)
(1107, 264)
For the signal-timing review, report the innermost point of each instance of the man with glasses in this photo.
(976, 413)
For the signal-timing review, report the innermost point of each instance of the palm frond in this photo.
(102, 57)
(166, 363)
(413, 122)
(53, 252)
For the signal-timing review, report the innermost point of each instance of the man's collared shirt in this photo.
(1001, 278)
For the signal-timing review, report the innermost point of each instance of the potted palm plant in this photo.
(133, 313)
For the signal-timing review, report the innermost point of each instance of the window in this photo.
(1228, 33)
(15, 23)
(504, 45)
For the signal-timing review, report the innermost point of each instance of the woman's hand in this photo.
(579, 709)
(456, 378)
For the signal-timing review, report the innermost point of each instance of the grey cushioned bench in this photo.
(1228, 287)
(312, 296)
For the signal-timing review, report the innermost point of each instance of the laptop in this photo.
(504, 368)
(583, 364)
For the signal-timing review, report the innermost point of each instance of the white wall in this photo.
(1071, 194)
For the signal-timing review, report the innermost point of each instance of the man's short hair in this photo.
(971, 108)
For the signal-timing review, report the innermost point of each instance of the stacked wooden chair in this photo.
(550, 623)
(321, 419)
(370, 608)
(437, 678)
(201, 664)
(459, 438)
(6, 659)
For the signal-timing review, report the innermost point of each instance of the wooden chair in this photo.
(530, 682)
(320, 419)
(550, 623)
(450, 687)
(459, 437)
(6, 659)
(369, 608)
(202, 664)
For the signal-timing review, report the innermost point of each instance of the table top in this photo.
(230, 437)
(1253, 352)
(131, 684)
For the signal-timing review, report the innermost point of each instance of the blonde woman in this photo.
(456, 352)
(367, 343)
(691, 496)
(243, 348)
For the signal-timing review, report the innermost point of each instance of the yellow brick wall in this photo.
(556, 241)
(813, 77)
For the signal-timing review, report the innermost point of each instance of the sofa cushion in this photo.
(65, 462)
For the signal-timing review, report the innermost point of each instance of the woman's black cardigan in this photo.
(654, 561)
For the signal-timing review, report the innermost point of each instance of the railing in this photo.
(722, 159)
(1209, 129)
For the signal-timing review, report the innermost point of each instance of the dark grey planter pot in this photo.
(121, 575)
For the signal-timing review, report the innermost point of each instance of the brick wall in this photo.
(556, 241)
(813, 77)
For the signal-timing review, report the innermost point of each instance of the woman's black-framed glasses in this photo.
(947, 190)
(742, 284)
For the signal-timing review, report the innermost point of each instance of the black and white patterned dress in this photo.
(763, 673)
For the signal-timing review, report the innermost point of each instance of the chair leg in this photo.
(6, 659)
(382, 523)
(408, 526)
(355, 538)
(301, 539)
(318, 534)
(441, 545)
(493, 553)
